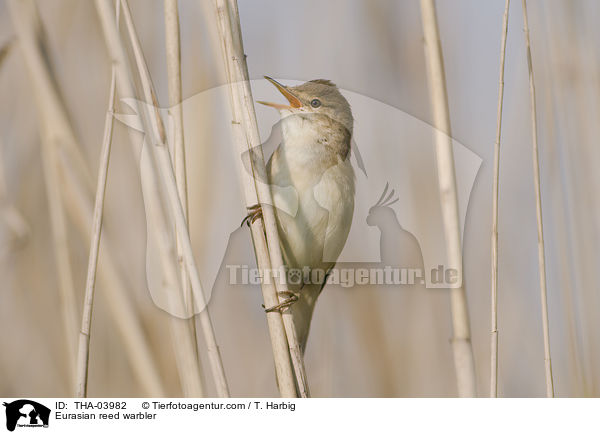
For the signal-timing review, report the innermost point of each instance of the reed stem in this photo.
(538, 208)
(464, 363)
(90, 285)
(494, 325)
(246, 135)
(184, 330)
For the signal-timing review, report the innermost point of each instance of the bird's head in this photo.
(319, 97)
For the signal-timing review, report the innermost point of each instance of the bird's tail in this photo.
(302, 312)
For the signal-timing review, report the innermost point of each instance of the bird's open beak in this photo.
(294, 102)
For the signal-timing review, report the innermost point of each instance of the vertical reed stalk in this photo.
(184, 331)
(90, 285)
(245, 131)
(77, 191)
(494, 325)
(58, 224)
(28, 27)
(9, 213)
(461, 340)
(155, 131)
(122, 310)
(571, 283)
(538, 207)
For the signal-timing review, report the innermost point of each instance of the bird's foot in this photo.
(291, 299)
(254, 212)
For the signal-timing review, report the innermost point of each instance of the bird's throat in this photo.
(316, 134)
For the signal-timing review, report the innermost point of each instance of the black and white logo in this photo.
(26, 413)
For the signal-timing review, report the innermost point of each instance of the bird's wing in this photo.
(285, 196)
(335, 193)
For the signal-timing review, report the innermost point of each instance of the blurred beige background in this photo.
(365, 341)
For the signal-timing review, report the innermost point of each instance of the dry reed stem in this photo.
(461, 340)
(58, 225)
(28, 28)
(77, 197)
(159, 151)
(90, 285)
(245, 130)
(122, 310)
(571, 284)
(10, 214)
(494, 321)
(277, 332)
(184, 331)
(538, 207)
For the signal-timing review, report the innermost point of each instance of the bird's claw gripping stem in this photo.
(291, 299)
(254, 212)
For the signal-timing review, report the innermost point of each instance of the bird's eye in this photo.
(315, 103)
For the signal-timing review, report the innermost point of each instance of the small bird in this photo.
(314, 159)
